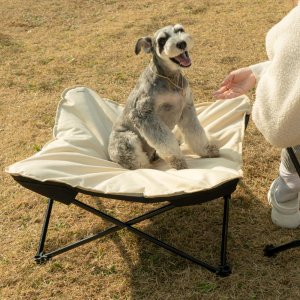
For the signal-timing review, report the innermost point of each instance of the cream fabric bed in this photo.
(77, 156)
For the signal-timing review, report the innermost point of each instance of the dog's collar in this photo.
(165, 77)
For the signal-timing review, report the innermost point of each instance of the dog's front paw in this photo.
(178, 163)
(212, 151)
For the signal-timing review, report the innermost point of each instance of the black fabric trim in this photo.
(66, 194)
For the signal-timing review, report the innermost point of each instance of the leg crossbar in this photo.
(222, 270)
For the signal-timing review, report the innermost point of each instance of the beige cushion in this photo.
(78, 156)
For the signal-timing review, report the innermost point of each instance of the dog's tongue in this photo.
(183, 59)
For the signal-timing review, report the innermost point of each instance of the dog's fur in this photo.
(160, 100)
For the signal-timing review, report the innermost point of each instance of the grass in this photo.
(47, 46)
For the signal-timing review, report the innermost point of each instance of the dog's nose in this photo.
(181, 45)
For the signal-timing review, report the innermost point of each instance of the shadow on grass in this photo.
(151, 272)
(197, 230)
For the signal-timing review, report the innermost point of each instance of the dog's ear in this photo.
(145, 43)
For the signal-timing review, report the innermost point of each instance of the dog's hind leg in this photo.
(125, 148)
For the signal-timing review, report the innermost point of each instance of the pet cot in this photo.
(271, 250)
(76, 161)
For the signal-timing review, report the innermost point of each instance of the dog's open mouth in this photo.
(183, 60)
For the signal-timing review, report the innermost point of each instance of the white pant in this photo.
(292, 180)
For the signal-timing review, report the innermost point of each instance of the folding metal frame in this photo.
(67, 195)
(271, 250)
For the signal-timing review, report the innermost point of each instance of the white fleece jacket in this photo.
(276, 110)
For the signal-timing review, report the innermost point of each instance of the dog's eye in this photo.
(162, 41)
(179, 29)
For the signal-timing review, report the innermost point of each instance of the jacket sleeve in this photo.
(259, 69)
(276, 110)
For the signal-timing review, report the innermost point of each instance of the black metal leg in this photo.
(40, 258)
(224, 268)
(271, 250)
(221, 270)
(294, 159)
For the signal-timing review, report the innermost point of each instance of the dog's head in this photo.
(170, 45)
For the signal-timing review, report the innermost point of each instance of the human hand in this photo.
(237, 83)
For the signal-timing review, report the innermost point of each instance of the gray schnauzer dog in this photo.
(160, 100)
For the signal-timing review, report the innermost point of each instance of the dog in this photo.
(160, 100)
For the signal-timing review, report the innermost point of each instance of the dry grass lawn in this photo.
(47, 46)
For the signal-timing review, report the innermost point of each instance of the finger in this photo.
(221, 90)
(221, 95)
(218, 96)
(227, 80)
(230, 94)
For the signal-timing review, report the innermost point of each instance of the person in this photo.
(276, 109)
